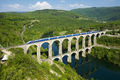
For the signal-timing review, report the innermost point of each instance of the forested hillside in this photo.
(101, 13)
(17, 28)
(19, 67)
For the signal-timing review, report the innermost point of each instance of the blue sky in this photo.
(30, 5)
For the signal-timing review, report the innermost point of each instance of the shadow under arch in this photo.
(92, 39)
(73, 44)
(65, 46)
(55, 48)
(86, 40)
(80, 42)
(102, 33)
(56, 59)
(64, 59)
(44, 50)
(98, 35)
(73, 60)
(32, 50)
(80, 57)
(87, 50)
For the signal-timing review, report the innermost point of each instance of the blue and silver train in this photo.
(58, 37)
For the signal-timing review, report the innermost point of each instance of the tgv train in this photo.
(58, 37)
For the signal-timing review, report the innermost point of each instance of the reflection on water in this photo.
(90, 67)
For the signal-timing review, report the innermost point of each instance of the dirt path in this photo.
(108, 47)
(112, 35)
(22, 33)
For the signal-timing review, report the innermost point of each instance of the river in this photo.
(91, 67)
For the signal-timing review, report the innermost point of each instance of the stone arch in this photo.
(65, 59)
(73, 44)
(87, 40)
(56, 59)
(80, 42)
(32, 50)
(55, 48)
(44, 50)
(73, 54)
(102, 33)
(65, 45)
(98, 35)
(87, 50)
(80, 53)
(92, 39)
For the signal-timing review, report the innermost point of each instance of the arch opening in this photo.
(73, 60)
(80, 57)
(55, 48)
(32, 50)
(44, 50)
(80, 42)
(98, 35)
(73, 44)
(87, 51)
(80, 53)
(65, 46)
(86, 40)
(102, 33)
(92, 39)
(56, 59)
(64, 59)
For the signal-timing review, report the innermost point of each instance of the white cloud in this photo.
(29, 7)
(79, 6)
(15, 6)
(40, 6)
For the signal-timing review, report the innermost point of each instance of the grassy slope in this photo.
(26, 67)
(102, 13)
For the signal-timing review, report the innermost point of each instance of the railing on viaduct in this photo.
(69, 52)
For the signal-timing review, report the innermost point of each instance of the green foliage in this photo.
(102, 13)
(109, 41)
(73, 43)
(113, 32)
(111, 55)
(69, 73)
(39, 24)
(56, 69)
(1, 54)
(23, 67)
(65, 46)
(45, 23)
(43, 56)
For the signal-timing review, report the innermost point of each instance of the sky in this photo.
(31, 5)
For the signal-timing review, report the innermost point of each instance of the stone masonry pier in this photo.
(50, 58)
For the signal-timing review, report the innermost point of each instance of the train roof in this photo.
(62, 36)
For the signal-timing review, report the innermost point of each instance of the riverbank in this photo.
(110, 55)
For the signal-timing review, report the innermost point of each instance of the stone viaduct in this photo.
(69, 52)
